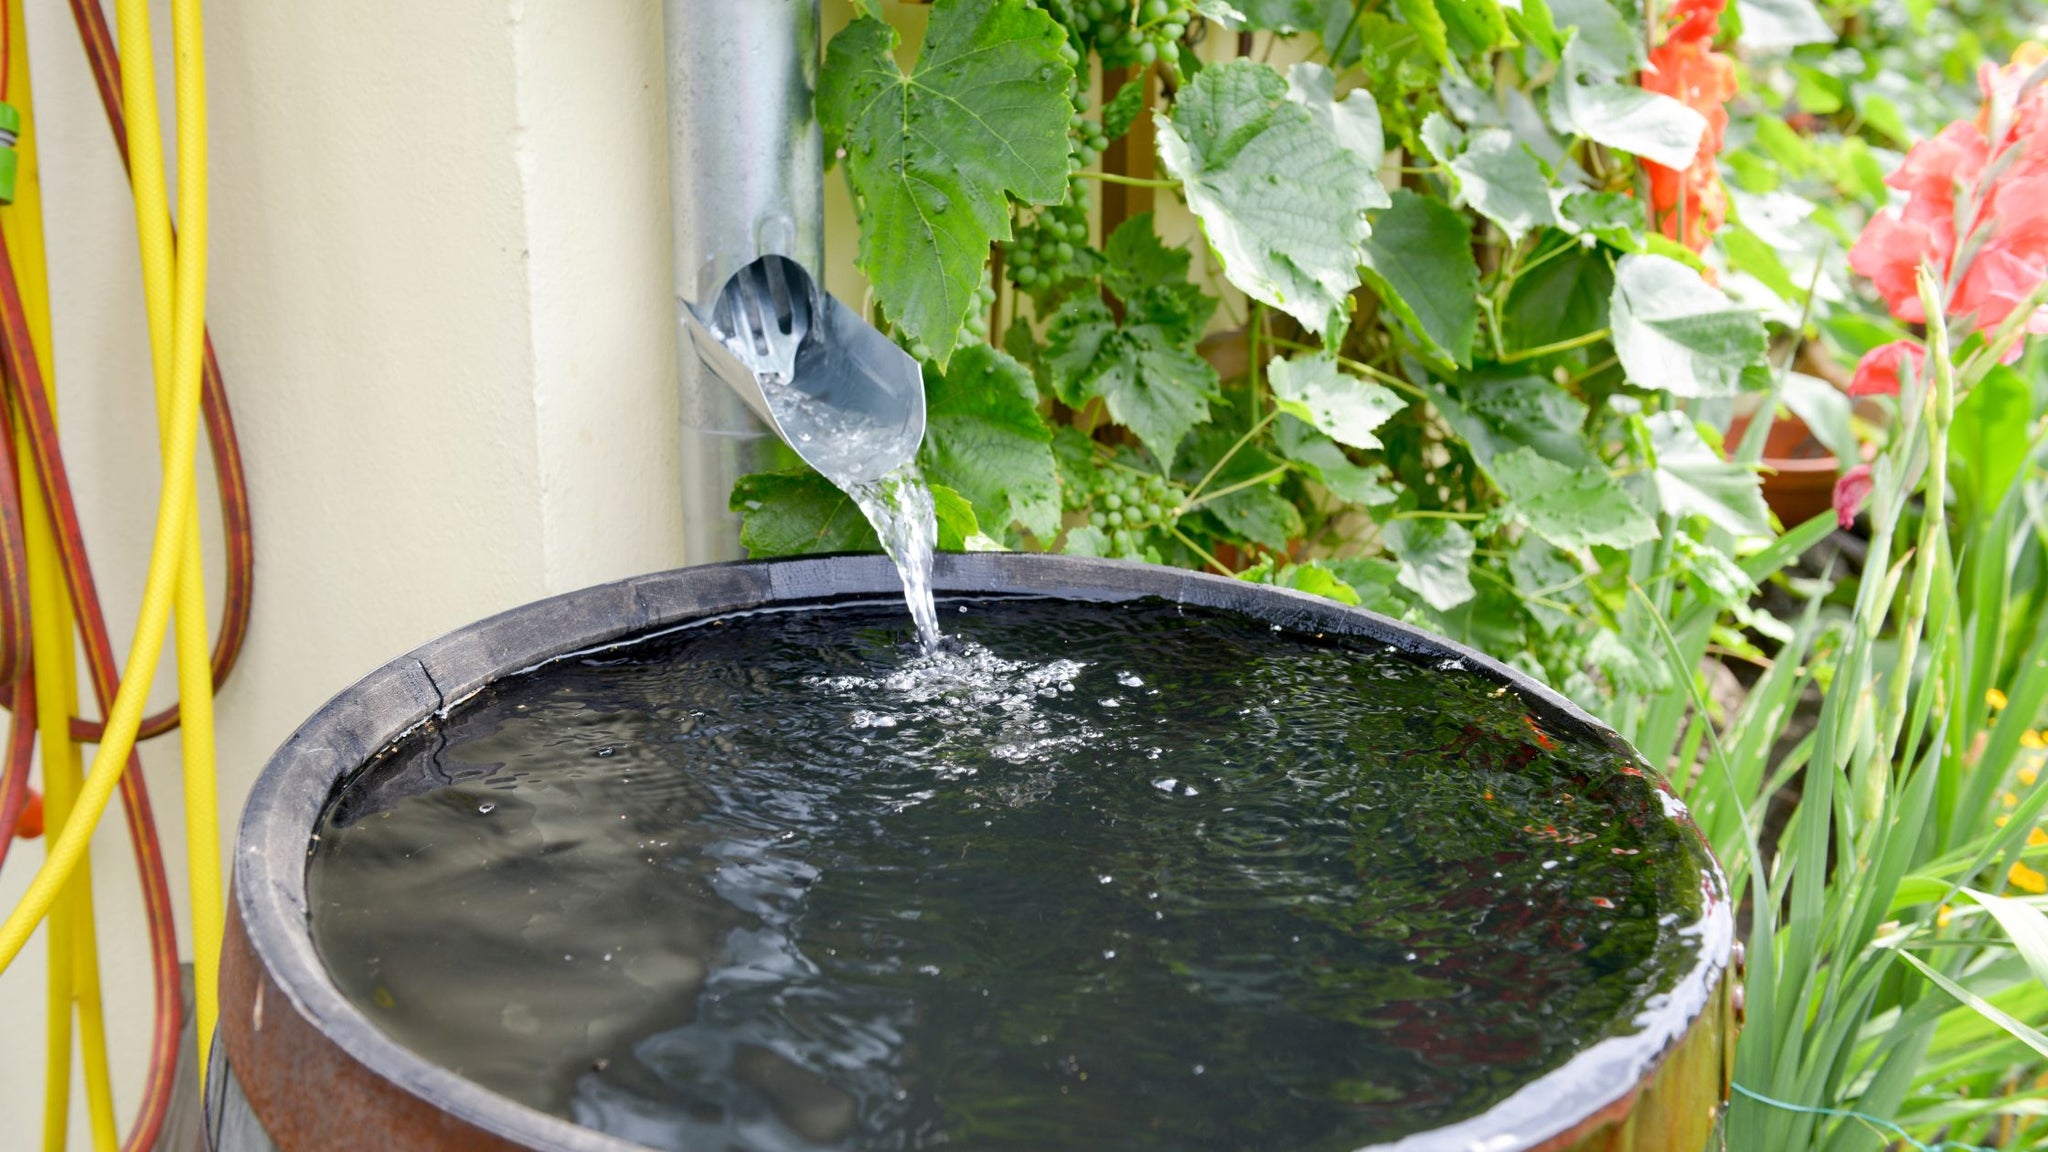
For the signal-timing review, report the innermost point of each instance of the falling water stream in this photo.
(843, 446)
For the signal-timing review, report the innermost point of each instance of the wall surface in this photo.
(440, 295)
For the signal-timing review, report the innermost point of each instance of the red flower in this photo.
(1686, 68)
(1970, 198)
(1877, 374)
(1850, 493)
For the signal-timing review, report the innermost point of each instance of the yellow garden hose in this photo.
(184, 316)
(73, 954)
(166, 272)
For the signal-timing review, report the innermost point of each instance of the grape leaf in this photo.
(1285, 15)
(1122, 109)
(1609, 217)
(984, 438)
(1647, 124)
(1494, 173)
(1572, 508)
(934, 156)
(1428, 23)
(796, 512)
(1346, 408)
(1694, 480)
(1135, 259)
(1420, 261)
(1778, 25)
(957, 528)
(1436, 559)
(1147, 372)
(1497, 414)
(1562, 297)
(1280, 197)
(1311, 576)
(1354, 120)
(1255, 512)
(1676, 333)
(1607, 47)
(1327, 464)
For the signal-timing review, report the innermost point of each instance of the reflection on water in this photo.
(1086, 876)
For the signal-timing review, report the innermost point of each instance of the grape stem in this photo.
(1133, 181)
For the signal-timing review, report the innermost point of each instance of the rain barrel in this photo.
(1561, 976)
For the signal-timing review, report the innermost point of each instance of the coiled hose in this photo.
(188, 383)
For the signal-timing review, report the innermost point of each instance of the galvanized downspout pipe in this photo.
(746, 180)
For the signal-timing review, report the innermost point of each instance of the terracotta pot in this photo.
(1799, 481)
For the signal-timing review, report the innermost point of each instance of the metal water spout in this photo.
(764, 342)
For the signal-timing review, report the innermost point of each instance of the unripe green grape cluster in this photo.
(1041, 258)
(1129, 504)
(1127, 33)
(1089, 141)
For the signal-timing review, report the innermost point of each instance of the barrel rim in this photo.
(274, 845)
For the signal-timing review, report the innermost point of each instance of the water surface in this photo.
(1089, 877)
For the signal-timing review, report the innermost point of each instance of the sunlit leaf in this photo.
(935, 156)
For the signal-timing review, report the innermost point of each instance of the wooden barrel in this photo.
(300, 1067)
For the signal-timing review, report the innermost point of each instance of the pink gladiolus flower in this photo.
(1850, 493)
(1878, 373)
(1996, 188)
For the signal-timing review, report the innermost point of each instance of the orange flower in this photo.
(1689, 205)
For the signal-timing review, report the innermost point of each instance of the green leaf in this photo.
(1260, 515)
(1678, 334)
(1282, 15)
(1317, 579)
(934, 157)
(1497, 414)
(796, 512)
(1436, 559)
(957, 527)
(1123, 109)
(1148, 374)
(1572, 508)
(1087, 540)
(1987, 443)
(1373, 578)
(1748, 253)
(1607, 48)
(1136, 260)
(2021, 1032)
(984, 438)
(1563, 297)
(1647, 124)
(1779, 25)
(1539, 568)
(1348, 409)
(1422, 15)
(1502, 181)
(1475, 26)
(1694, 480)
(1280, 198)
(1327, 464)
(1609, 217)
(2025, 924)
(1353, 121)
(1420, 261)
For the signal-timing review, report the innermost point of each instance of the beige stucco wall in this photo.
(440, 294)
